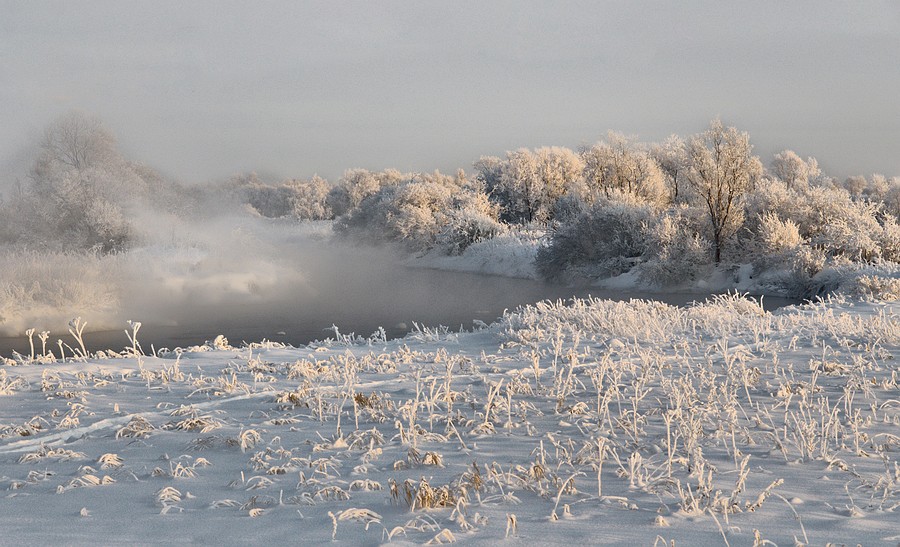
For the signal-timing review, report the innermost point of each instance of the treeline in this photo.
(666, 211)
(669, 209)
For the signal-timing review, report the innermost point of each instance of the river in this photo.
(394, 299)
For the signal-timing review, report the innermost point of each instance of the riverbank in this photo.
(608, 421)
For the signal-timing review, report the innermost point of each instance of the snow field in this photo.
(590, 421)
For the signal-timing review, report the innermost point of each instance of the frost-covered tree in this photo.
(527, 184)
(488, 170)
(559, 170)
(671, 156)
(356, 185)
(308, 199)
(721, 169)
(793, 170)
(520, 184)
(856, 185)
(616, 163)
(80, 191)
(75, 141)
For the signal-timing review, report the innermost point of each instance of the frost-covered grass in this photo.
(592, 421)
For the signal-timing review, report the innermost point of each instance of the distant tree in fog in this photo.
(793, 171)
(81, 192)
(76, 140)
(856, 185)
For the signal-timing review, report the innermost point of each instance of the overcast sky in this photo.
(204, 90)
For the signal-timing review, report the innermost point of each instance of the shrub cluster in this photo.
(421, 212)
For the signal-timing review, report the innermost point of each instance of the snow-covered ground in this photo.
(596, 422)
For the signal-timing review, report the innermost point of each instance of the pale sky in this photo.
(202, 90)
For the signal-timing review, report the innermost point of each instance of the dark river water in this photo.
(393, 299)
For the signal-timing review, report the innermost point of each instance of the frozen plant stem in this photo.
(76, 328)
(30, 333)
(44, 335)
(132, 337)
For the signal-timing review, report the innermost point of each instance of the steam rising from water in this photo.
(212, 270)
(249, 278)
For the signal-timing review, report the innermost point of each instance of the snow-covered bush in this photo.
(605, 240)
(874, 287)
(769, 241)
(43, 288)
(891, 197)
(569, 207)
(890, 239)
(299, 199)
(676, 250)
(841, 226)
(772, 197)
(823, 216)
(855, 234)
(472, 218)
(778, 236)
(427, 211)
(808, 262)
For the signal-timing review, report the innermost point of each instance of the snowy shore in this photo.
(600, 422)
